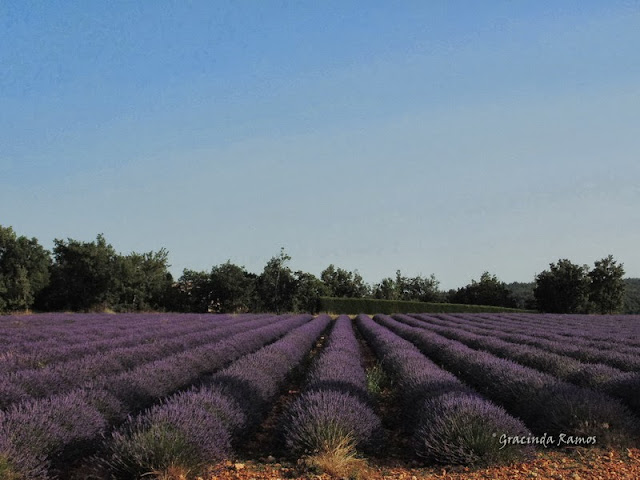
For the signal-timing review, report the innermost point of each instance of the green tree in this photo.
(386, 289)
(142, 280)
(309, 289)
(83, 276)
(192, 292)
(232, 288)
(24, 270)
(564, 288)
(276, 285)
(421, 289)
(342, 283)
(487, 291)
(607, 288)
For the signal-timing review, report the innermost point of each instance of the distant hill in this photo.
(523, 294)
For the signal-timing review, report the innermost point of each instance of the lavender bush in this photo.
(626, 387)
(37, 435)
(321, 420)
(185, 435)
(19, 465)
(465, 429)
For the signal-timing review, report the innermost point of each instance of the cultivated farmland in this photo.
(163, 395)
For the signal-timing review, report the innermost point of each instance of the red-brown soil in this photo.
(581, 463)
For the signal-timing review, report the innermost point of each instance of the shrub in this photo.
(38, 433)
(10, 392)
(168, 436)
(216, 403)
(20, 465)
(626, 387)
(321, 421)
(465, 429)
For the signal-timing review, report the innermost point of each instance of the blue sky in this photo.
(432, 137)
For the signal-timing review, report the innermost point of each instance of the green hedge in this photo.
(373, 305)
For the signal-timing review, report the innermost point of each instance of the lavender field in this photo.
(135, 395)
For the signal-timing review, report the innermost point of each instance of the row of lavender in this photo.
(114, 366)
(448, 421)
(199, 427)
(558, 332)
(608, 332)
(36, 332)
(335, 411)
(525, 335)
(596, 376)
(335, 406)
(602, 326)
(453, 424)
(39, 435)
(22, 352)
(600, 329)
(545, 403)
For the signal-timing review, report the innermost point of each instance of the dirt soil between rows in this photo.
(577, 464)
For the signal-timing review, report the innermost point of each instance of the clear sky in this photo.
(433, 137)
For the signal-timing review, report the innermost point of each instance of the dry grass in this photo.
(6, 472)
(171, 473)
(339, 461)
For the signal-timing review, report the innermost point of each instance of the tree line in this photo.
(92, 276)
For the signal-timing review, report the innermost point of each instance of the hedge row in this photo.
(373, 305)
